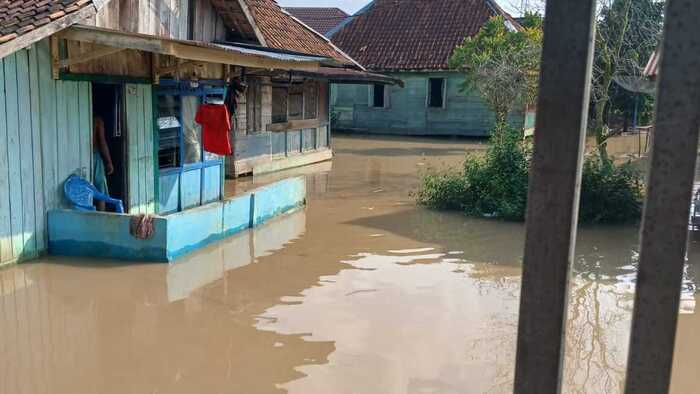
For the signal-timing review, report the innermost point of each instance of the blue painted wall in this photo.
(93, 234)
(407, 111)
(45, 135)
(90, 234)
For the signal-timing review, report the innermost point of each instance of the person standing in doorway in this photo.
(102, 161)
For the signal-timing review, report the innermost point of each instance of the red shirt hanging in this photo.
(216, 123)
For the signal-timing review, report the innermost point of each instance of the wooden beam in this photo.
(213, 55)
(182, 50)
(160, 71)
(552, 211)
(251, 20)
(664, 232)
(114, 39)
(35, 35)
(55, 57)
(155, 64)
(92, 55)
(293, 125)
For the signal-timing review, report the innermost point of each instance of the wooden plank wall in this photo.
(165, 18)
(45, 135)
(208, 26)
(139, 120)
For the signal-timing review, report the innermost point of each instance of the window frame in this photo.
(429, 93)
(385, 97)
(179, 89)
(302, 85)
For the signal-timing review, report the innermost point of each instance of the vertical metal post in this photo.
(554, 193)
(669, 190)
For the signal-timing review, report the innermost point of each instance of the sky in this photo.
(351, 6)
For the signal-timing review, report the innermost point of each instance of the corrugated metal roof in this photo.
(270, 53)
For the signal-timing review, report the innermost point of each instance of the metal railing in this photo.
(555, 189)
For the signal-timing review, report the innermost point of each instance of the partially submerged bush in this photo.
(496, 185)
(442, 190)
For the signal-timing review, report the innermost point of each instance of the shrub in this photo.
(609, 193)
(496, 185)
(441, 190)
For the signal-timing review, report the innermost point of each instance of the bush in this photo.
(496, 185)
(442, 190)
(609, 193)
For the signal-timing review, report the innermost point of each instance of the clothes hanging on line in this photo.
(216, 124)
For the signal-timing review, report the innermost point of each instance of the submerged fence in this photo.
(555, 189)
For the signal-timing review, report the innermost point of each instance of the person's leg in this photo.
(99, 180)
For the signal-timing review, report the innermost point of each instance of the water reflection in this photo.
(362, 292)
(198, 270)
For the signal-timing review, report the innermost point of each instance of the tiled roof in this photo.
(282, 31)
(18, 17)
(393, 35)
(321, 19)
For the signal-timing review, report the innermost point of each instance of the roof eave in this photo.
(25, 40)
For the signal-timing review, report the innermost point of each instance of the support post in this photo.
(669, 191)
(55, 57)
(554, 193)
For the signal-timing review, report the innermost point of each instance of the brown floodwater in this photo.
(360, 292)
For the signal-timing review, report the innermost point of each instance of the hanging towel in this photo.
(216, 123)
(141, 226)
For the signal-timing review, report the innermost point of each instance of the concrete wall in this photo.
(106, 235)
(407, 111)
(45, 135)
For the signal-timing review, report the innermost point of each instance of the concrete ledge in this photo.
(106, 235)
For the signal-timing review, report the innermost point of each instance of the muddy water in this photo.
(361, 292)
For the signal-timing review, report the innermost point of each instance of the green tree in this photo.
(501, 63)
(627, 33)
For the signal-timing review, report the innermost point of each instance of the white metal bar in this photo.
(554, 193)
(669, 191)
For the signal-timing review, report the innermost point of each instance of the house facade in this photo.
(412, 40)
(144, 68)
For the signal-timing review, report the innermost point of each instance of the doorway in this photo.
(107, 103)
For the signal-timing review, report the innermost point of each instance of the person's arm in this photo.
(104, 149)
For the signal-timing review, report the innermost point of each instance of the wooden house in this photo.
(412, 40)
(144, 67)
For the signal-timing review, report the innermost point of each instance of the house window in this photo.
(379, 99)
(168, 110)
(436, 92)
(295, 101)
(279, 104)
(179, 136)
